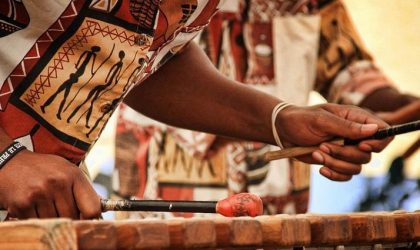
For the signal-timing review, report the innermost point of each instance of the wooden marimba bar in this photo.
(377, 230)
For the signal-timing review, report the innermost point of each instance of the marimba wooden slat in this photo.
(246, 232)
(362, 228)
(38, 234)
(146, 234)
(176, 233)
(285, 231)
(200, 233)
(406, 224)
(384, 230)
(96, 235)
(329, 230)
(416, 223)
(223, 232)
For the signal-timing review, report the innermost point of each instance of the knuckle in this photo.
(319, 121)
(358, 169)
(19, 205)
(336, 177)
(92, 214)
(365, 158)
(368, 158)
(57, 182)
(60, 161)
(93, 211)
(38, 192)
(329, 162)
(336, 151)
(344, 111)
(377, 148)
(353, 127)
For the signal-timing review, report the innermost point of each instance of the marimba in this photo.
(377, 230)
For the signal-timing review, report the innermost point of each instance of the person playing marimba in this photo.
(69, 48)
(285, 48)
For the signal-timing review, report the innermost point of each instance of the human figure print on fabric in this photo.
(136, 71)
(77, 58)
(73, 79)
(112, 77)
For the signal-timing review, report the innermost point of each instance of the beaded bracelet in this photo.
(276, 110)
(10, 152)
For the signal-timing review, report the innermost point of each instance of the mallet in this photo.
(381, 134)
(243, 204)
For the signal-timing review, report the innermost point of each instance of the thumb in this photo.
(86, 198)
(337, 126)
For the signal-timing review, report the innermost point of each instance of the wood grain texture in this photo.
(96, 235)
(246, 232)
(373, 230)
(285, 230)
(200, 233)
(146, 234)
(329, 230)
(57, 234)
(384, 229)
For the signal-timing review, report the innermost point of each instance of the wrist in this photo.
(278, 111)
(10, 152)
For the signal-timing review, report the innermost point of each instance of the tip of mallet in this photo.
(243, 204)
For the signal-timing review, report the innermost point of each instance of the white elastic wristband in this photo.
(276, 110)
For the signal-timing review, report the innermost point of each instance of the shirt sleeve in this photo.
(345, 70)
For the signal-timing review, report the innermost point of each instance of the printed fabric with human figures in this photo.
(69, 63)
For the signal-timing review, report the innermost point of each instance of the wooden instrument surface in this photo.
(371, 230)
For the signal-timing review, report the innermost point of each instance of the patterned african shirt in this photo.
(65, 65)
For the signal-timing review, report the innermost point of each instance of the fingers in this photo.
(86, 198)
(22, 211)
(46, 209)
(66, 205)
(352, 122)
(337, 126)
(30, 188)
(336, 169)
(34, 205)
(374, 145)
(342, 162)
(347, 153)
(334, 176)
(360, 116)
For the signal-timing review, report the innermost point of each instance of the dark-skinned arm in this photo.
(393, 106)
(189, 92)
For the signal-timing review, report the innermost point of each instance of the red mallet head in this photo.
(243, 204)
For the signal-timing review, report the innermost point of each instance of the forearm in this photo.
(386, 100)
(189, 92)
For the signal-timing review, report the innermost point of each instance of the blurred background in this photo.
(390, 30)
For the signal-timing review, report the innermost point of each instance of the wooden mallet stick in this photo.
(243, 204)
(381, 134)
